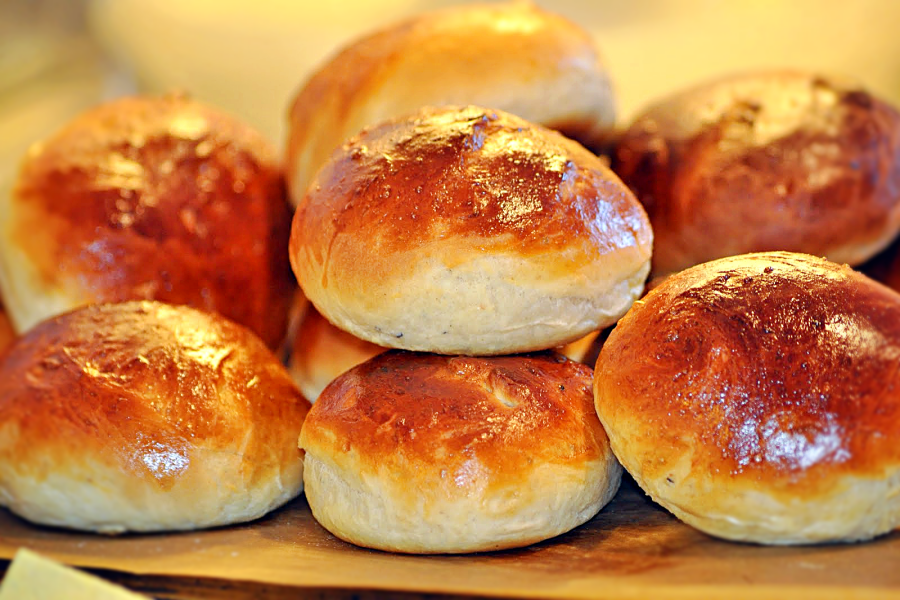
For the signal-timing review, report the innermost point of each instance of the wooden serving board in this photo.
(632, 549)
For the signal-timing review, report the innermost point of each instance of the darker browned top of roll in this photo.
(765, 161)
(493, 417)
(472, 176)
(143, 385)
(765, 366)
(165, 199)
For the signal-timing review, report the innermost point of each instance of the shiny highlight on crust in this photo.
(147, 389)
(489, 177)
(471, 416)
(157, 198)
(772, 367)
(772, 160)
(467, 230)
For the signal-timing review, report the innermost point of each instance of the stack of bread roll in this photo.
(123, 407)
(448, 237)
(390, 244)
(460, 235)
(474, 234)
(513, 57)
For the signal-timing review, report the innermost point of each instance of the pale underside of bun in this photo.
(426, 516)
(857, 509)
(321, 352)
(28, 299)
(486, 305)
(86, 494)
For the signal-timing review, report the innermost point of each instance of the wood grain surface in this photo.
(632, 549)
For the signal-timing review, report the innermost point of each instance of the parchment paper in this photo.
(632, 548)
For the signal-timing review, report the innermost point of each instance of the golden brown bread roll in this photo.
(756, 397)
(422, 453)
(512, 56)
(146, 417)
(320, 352)
(776, 160)
(468, 231)
(149, 198)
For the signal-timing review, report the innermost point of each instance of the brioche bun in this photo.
(158, 198)
(146, 417)
(422, 453)
(772, 160)
(757, 397)
(513, 56)
(469, 231)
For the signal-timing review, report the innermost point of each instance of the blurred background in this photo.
(58, 57)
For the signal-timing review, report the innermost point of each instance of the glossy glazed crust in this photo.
(146, 417)
(149, 198)
(451, 454)
(757, 397)
(512, 56)
(766, 161)
(320, 352)
(468, 230)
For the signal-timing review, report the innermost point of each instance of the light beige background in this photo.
(250, 57)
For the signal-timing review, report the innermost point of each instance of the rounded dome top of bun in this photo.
(763, 161)
(468, 231)
(157, 198)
